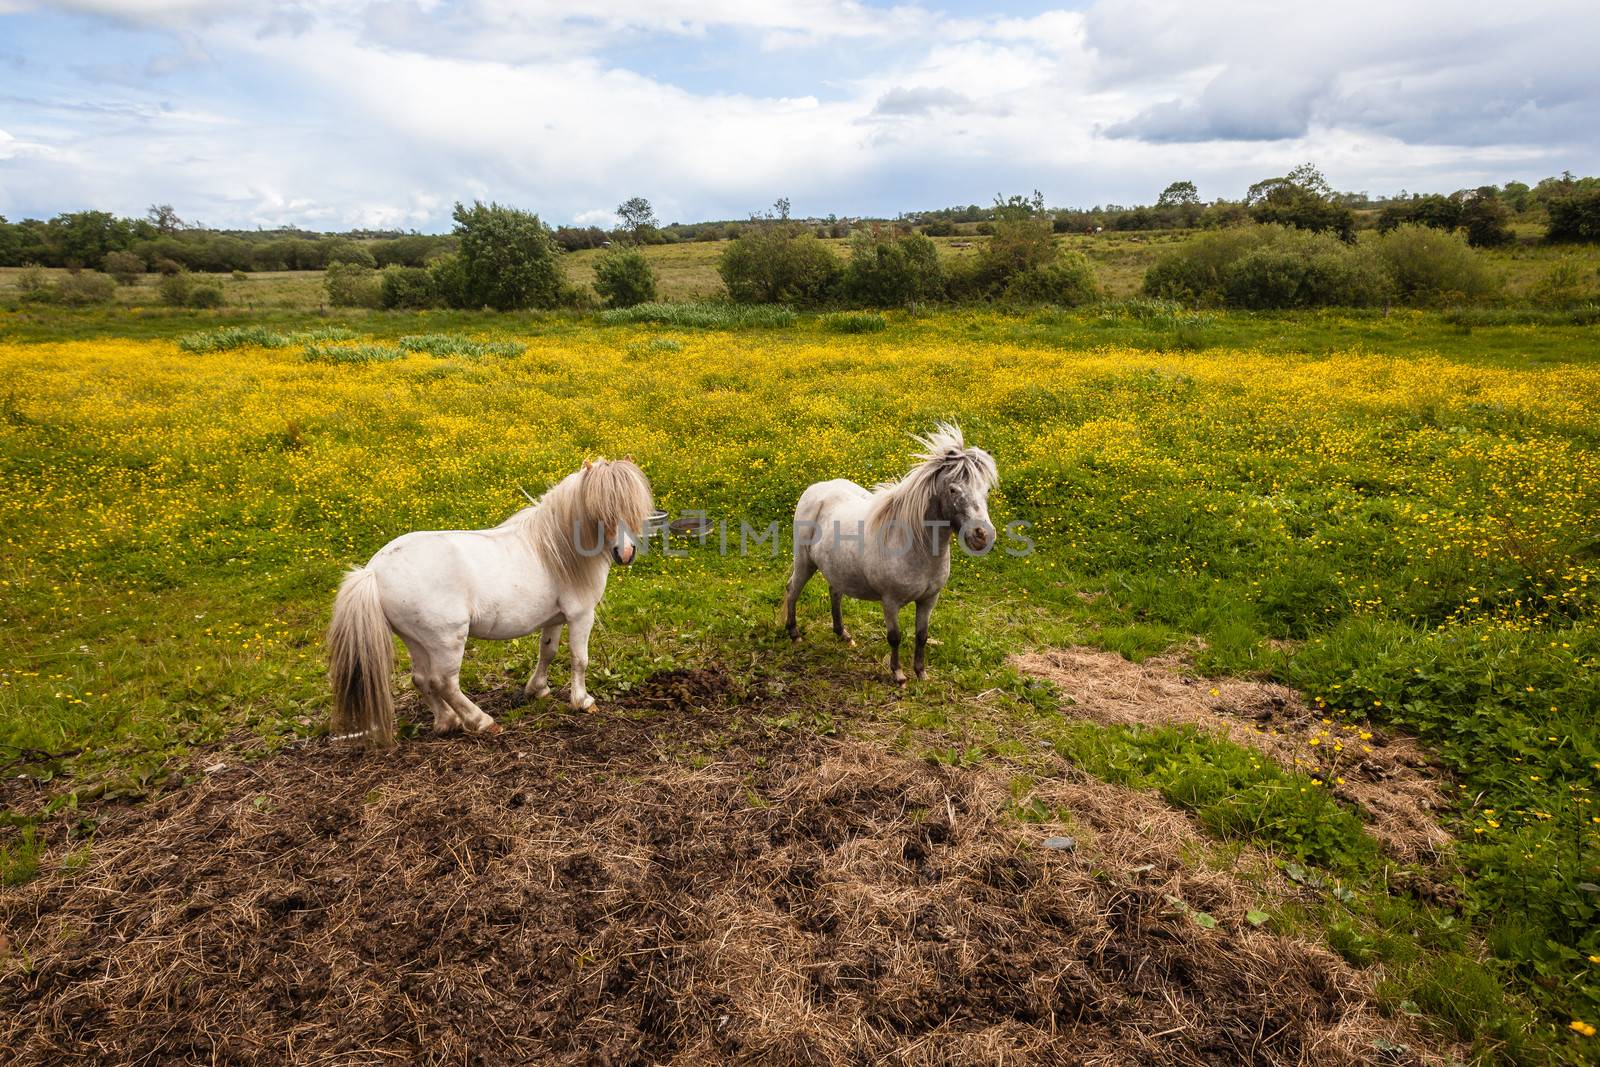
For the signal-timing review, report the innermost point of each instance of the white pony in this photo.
(543, 567)
(893, 544)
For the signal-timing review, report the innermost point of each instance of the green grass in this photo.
(703, 316)
(1234, 791)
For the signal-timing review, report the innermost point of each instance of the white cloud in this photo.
(381, 112)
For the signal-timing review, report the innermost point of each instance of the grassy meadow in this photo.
(1394, 514)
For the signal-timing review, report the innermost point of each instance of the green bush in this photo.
(84, 287)
(1068, 282)
(1278, 267)
(777, 263)
(406, 287)
(1426, 266)
(174, 288)
(31, 279)
(448, 277)
(205, 295)
(1302, 269)
(1487, 221)
(1575, 217)
(506, 261)
(350, 285)
(623, 278)
(125, 267)
(1562, 286)
(1019, 245)
(892, 271)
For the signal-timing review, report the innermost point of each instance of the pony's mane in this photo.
(602, 495)
(945, 455)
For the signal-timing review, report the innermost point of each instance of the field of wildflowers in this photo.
(1410, 540)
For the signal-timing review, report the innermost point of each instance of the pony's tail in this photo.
(360, 660)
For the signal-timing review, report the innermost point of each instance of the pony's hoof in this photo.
(794, 633)
(844, 635)
(921, 675)
(583, 705)
(494, 729)
(899, 677)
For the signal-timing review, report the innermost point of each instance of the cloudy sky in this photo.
(339, 113)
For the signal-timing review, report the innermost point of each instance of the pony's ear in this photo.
(588, 463)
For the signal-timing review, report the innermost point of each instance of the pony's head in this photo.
(615, 499)
(594, 514)
(949, 489)
(962, 476)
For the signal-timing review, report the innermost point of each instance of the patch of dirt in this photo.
(1389, 778)
(675, 884)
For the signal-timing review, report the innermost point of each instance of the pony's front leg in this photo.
(578, 627)
(919, 663)
(539, 682)
(891, 616)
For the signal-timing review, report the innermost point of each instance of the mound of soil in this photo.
(669, 881)
(1388, 778)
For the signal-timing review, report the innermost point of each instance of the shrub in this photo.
(205, 295)
(406, 287)
(174, 288)
(1562, 286)
(1196, 271)
(1068, 282)
(449, 280)
(1487, 222)
(350, 285)
(939, 228)
(506, 261)
(125, 267)
(31, 279)
(775, 263)
(1268, 267)
(623, 278)
(891, 271)
(1429, 267)
(1303, 269)
(240, 276)
(84, 287)
(1018, 245)
(1575, 217)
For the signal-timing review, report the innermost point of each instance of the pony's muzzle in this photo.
(623, 553)
(978, 537)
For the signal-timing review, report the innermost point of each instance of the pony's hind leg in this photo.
(804, 568)
(426, 679)
(476, 719)
(836, 599)
(539, 682)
